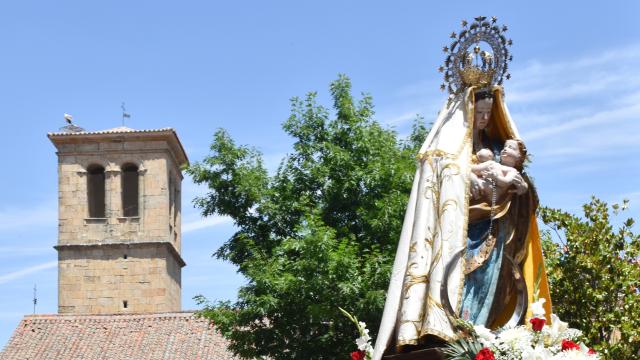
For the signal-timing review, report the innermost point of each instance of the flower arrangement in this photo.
(535, 341)
(365, 350)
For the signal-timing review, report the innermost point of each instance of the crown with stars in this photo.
(468, 64)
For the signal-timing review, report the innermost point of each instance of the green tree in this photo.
(594, 275)
(317, 235)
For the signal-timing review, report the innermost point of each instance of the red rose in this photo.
(485, 354)
(537, 323)
(358, 355)
(569, 345)
(591, 352)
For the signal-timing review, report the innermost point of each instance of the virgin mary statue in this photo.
(469, 246)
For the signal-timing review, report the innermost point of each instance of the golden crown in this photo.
(467, 64)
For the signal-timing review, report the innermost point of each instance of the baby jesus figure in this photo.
(505, 175)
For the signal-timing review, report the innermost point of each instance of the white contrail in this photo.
(204, 223)
(24, 272)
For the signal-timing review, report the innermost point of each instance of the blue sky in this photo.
(199, 66)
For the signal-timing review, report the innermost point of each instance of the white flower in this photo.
(558, 324)
(363, 341)
(514, 340)
(572, 334)
(485, 335)
(514, 335)
(537, 308)
(537, 353)
(572, 355)
(557, 327)
(362, 326)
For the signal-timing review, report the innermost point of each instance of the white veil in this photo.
(434, 228)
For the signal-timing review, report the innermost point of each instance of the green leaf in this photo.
(318, 234)
(593, 275)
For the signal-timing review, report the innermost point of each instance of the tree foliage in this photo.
(318, 234)
(594, 274)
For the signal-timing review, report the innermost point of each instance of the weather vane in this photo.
(125, 114)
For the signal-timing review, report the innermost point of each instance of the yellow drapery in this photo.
(533, 267)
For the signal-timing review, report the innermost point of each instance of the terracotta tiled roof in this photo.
(179, 335)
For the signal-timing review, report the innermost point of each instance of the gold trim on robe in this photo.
(435, 227)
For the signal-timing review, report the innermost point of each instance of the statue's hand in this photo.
(520, 186)
(475, 187)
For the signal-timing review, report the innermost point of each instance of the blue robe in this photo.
(480, 285)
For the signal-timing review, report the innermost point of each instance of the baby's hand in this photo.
(492, 172)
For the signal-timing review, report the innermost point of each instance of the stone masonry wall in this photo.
(98, 280)
(153, 221)
(94, 275)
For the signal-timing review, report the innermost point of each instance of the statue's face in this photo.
(510, 154)
(482, 113)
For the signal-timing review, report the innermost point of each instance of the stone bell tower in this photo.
(119, 220)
